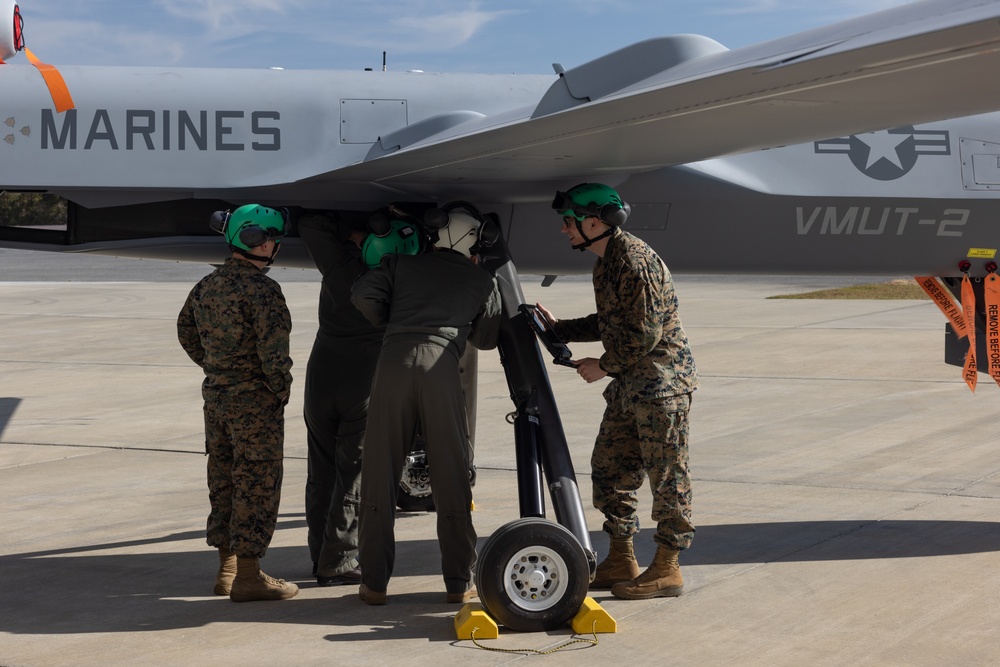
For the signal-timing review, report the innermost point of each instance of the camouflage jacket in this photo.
(646, 350)
(236, 326)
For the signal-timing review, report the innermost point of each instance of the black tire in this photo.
(532, 575)
(407, 503)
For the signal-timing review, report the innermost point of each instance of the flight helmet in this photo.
(389, 237)
(592, 200)
(252, 225)
(249, 226)
(460, 234)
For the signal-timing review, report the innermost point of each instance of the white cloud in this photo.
(444, 31)
(412, 30)
(229, 14)
(829, 8)
(94, 42)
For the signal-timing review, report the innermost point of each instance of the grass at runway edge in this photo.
(892, 290)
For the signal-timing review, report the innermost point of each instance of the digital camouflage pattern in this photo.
(645, 348)
(235, 325)
(244, 437)
(648, 437)
(645, 426)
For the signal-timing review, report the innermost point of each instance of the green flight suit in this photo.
(431, 305)
(338, 384)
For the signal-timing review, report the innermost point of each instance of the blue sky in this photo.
(493, 36)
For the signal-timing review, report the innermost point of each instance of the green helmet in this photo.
(592, 200)
(252, 225)
(402, 238)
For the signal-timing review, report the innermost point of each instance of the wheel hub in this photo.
(535, 578)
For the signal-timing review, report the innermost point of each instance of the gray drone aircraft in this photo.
(146, 154)
(773, 158)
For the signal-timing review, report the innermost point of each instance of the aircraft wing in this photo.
(682, 99)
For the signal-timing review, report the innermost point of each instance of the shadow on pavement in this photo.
(8, 406)
(80, 591)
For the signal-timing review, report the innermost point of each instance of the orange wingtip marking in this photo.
(54, 81)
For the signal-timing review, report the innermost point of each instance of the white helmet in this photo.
(460, 233)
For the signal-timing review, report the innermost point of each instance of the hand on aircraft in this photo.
(590, 369)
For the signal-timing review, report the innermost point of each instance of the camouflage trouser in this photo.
(244, 441)
(649, 437)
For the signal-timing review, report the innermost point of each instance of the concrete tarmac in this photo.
(846, 493)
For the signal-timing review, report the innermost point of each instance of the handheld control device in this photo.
(560, 352)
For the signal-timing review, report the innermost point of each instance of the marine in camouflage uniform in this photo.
(235, 325)
(644, 431)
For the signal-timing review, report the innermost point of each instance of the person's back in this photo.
(335, 408)
(236, 310)
(235, 325)
(435, 297)
(432, 304)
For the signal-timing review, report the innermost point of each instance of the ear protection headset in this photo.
(388, 236)
(484, 235)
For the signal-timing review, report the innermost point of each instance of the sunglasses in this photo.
(254, 236)
(567, 208)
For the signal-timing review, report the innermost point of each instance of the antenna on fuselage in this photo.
(383, 61)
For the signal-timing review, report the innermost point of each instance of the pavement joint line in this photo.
(829, 379)
(114, 448)
(957, 492)
(92, 363)
(712, 480)
(908, 306)
(845, 487)
(809, 326)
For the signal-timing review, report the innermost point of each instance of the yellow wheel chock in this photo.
(591, 618)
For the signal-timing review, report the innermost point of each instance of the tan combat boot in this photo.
(620, 565)
(227, 572)
(661, 579)
(252, 584)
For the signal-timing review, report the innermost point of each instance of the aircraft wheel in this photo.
(407, 503)
(414, 493)
(532, 575)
